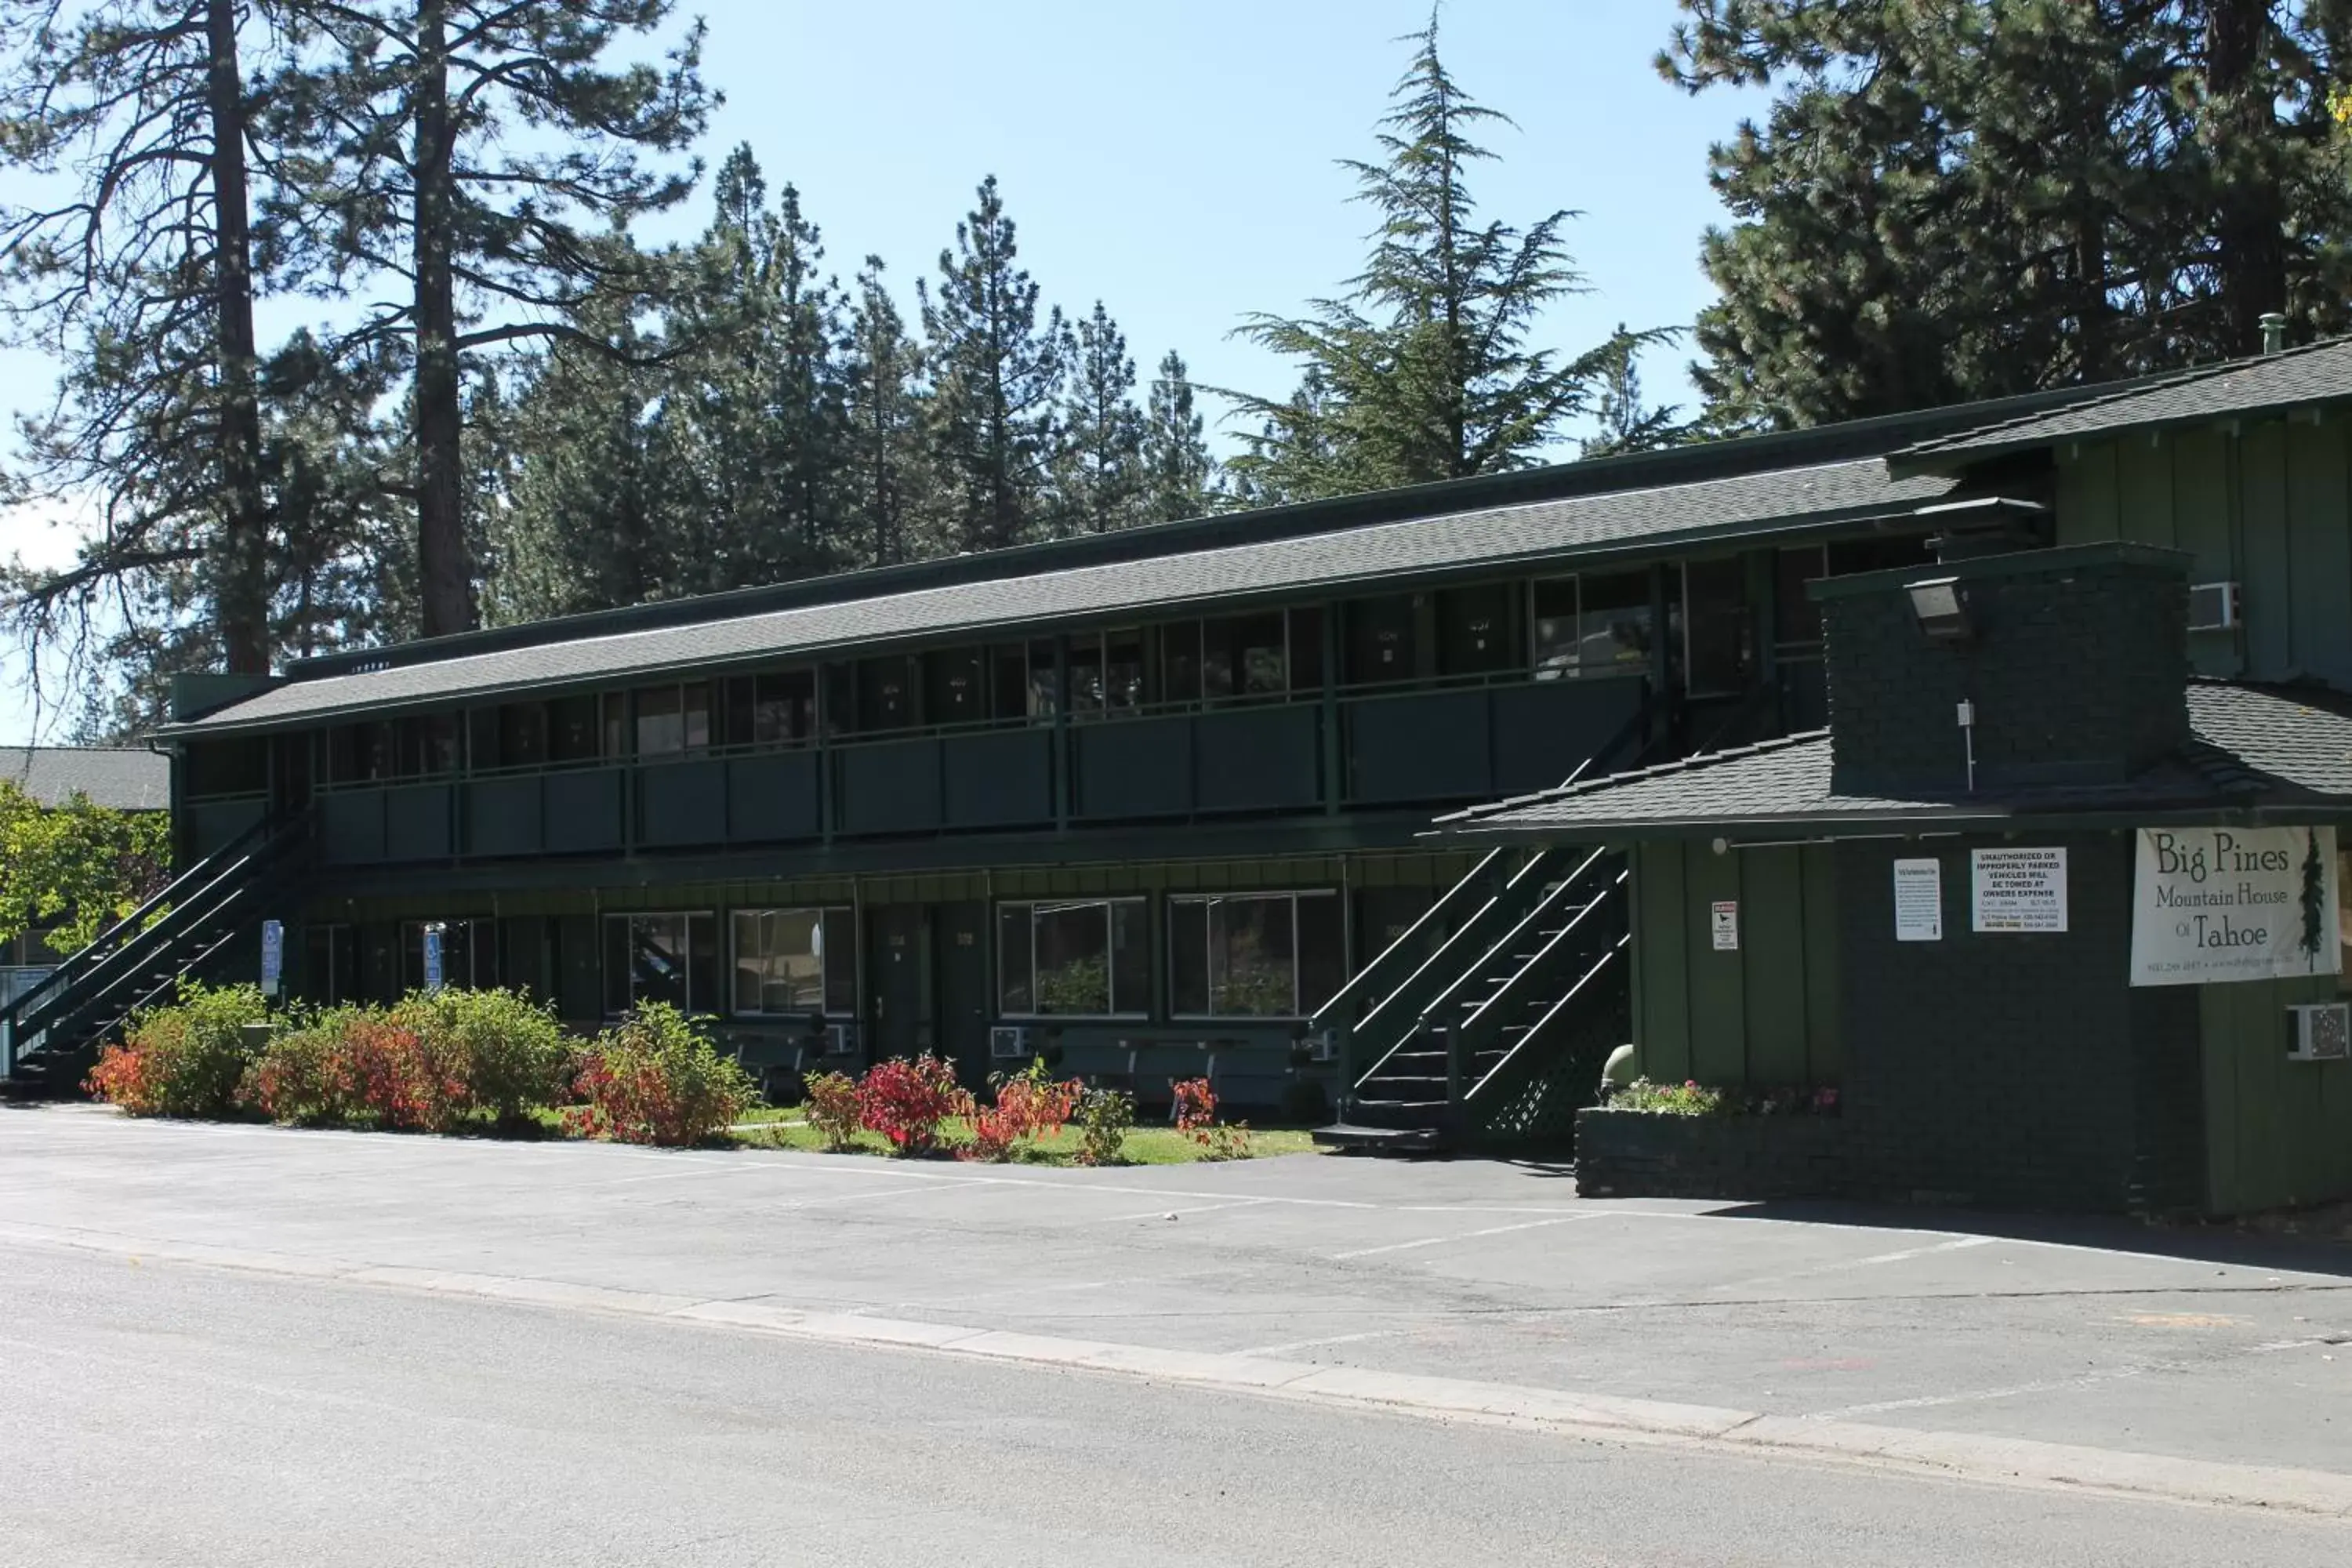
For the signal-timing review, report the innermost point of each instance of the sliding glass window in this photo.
(1254, 955)
(1083, 959)
(671, 958)
(796, 961)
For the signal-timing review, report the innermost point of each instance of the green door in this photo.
(967, 1001)
(898, 980)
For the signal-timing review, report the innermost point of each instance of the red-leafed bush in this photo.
(186, 1060)
(655, 1077)
(1032, 1105)
(832, 1108)
(359, 1065)
(907, 1100)
(1196, 1118)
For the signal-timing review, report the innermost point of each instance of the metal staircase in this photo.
(50, 1034)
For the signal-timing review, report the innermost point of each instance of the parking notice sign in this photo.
(2019, 889)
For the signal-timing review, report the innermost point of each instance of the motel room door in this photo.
(967, 1001)
(898, 980)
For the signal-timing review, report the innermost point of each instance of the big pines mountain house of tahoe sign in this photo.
(2220, 903)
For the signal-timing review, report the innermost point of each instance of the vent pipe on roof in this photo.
(2273, 325)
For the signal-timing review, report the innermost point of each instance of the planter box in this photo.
(1642, 1154)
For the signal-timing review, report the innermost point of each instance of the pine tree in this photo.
(478, 159)
(1100, 480)
(1990, 196)
(883, 489)
(995, 383)
(1423, 370)
(1180, 474)
(1623, 419)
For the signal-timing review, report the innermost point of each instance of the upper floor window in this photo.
(672, 720)
(1106, 673)
(1796, 618)
(774, 709)
(1254, 955)
(1595, 623)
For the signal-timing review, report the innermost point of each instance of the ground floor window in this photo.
(1073, 958)
(671, 958)
(1254, 955)
(469, 954)
(330, 963)
(796, 961)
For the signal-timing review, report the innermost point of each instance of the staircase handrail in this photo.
(132, 925)
(135, 951)
(1485, 1019)
(1527, 1046)
(1373, 975)
(1545, 906)
(1471, 935)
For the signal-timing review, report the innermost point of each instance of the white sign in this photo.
(2233, 903)
(1919, 900)
(1726, 925)
(2020, 889)
(273, 956)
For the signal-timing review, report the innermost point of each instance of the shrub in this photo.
(1686, 1099)
(832, 1108)
(655, 1078)
(302, 1075)
(905, 1102)
(1104, 1115)
(1196, 1118)
(186, 1060)
(509, 1054)
(1032, 1104)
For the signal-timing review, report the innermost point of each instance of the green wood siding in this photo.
(2268, 507)
(1765, 1014)
(2277, 1132)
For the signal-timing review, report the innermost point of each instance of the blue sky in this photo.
(1177, 161)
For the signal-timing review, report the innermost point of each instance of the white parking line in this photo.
(1464, 1235)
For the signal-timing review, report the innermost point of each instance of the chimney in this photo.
(2273, 325)
(2035, 670)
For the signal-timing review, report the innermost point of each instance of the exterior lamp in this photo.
(1942, 611)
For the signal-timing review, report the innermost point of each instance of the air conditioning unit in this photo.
(1008, 1042)
(1323, 1046)
(841, 1039)
(2322, 1032)
(2212, 606)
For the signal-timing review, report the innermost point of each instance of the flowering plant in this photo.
(906, 1101)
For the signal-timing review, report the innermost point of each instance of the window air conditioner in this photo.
(1323, 1046)
(2322, 1032)
(2212, 606)
(1008, 1042)
(841, 1039)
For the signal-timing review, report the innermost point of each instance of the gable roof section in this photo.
(1487, 538)
(2254, 748)
(119, 777)
(2316, 373)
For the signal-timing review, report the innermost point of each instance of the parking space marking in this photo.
(1463, 1235)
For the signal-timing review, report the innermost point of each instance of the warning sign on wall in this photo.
(1726, 916)
(2019, 889)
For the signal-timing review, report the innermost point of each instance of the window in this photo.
(1795, 619)
(777, 710)
(1595, 624)
(1106, 674)
(885, 694)
(796, 961)
(661, 958)
(1244, 655)
(428, 745)
(226, 767)
(1717, 656)
(469, 954)
(673, 719)
(1254, 955)
(571, 730)
(1474, 630)
(1384, 640)
(956, 685)
(1087, 959)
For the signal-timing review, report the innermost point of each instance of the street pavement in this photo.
(235, 1343)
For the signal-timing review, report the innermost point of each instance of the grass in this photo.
(1144, 1145)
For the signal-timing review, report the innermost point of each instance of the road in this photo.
(245, 1345)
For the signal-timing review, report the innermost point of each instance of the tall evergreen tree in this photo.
(1623, 419)
(1100, 480)
(996, 376)
(1988, 196)
(479, 156)
(1179, 473)
(1424, 368)
(884, 489)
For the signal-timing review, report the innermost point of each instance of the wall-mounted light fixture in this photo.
(1941, 608)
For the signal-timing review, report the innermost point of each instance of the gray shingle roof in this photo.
(2319, 372)
(2252, 747)
(1490, 536)
(125, 779)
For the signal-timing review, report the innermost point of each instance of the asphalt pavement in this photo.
(229, 1343)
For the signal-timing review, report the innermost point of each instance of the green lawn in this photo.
(1144, 1146)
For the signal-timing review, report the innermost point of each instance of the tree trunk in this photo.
(241, 598)
(2248, 226)
(444, 572)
